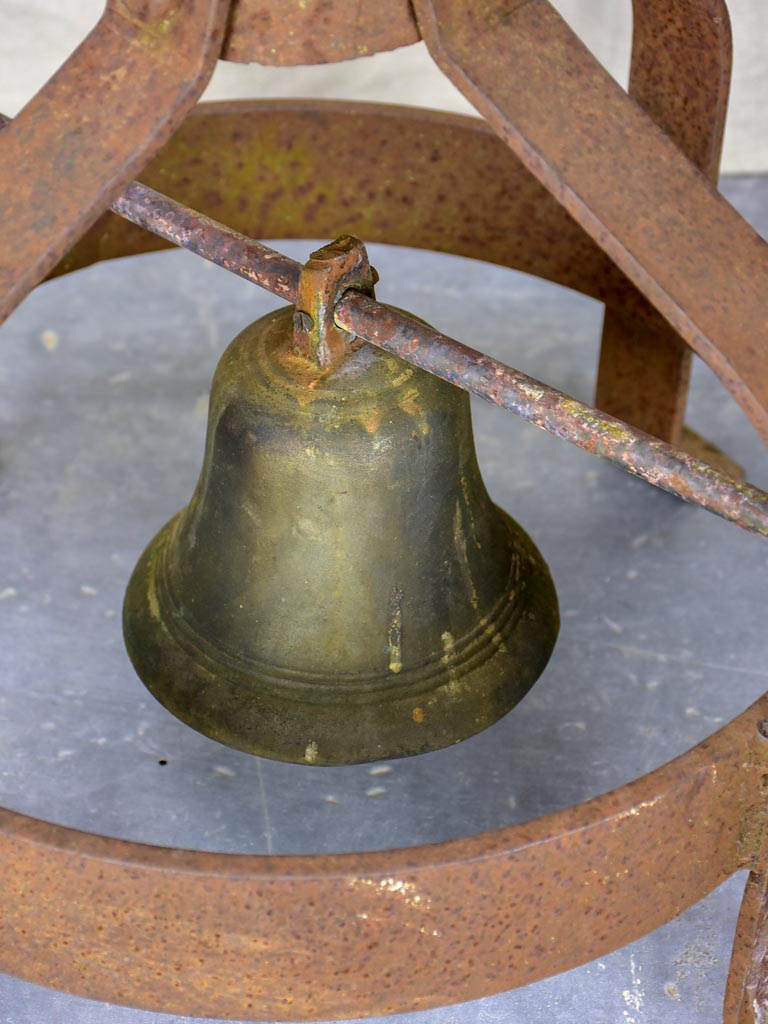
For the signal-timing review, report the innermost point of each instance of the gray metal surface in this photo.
(103, 384)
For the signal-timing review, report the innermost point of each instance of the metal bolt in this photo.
(302, 321)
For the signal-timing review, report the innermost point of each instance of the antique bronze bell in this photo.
(340, 588)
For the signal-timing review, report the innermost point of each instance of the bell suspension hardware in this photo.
(330, 272)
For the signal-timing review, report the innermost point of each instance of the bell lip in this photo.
(278, 726)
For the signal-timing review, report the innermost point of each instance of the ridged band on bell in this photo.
(340, 588)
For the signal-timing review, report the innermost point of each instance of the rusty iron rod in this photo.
(208, 238)
(655, 461)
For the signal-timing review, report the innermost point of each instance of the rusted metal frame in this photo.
(746, 996)
(457, 189)
(92, 127)
(316, 31)
(319, 937)
(43, 826)
(655, 215)
(741, 855)
(658, 463)
(680, 75)
(655, 461)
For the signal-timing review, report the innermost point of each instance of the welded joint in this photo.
(330, 272)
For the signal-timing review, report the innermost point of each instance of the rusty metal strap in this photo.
(618, 175)
(660, 464)
(95, 124)
(319, 937)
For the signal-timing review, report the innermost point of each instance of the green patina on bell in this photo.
(340, 588)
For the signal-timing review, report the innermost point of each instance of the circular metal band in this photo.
(424, 179)
(290, 938)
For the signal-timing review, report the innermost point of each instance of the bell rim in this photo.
(177, 676)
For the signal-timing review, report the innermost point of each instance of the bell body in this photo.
(340, 588)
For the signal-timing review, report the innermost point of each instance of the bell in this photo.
(340, 588)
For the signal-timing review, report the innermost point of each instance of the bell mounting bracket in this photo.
(329, 273)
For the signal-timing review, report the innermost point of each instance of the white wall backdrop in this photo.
(38, 34)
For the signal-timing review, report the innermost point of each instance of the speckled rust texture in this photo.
(681, 64)
(339, 936)
(436, 181)
(684, 247)
(92, 127)
(424, 179)
(746, 997)
(316, 31)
